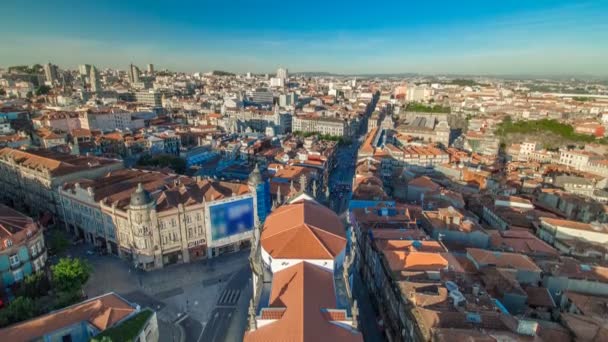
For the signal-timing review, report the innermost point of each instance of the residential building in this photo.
(95, 80)
(451, 227)
(29, 179)
(320, 124)
(84, 70)
(51, 72)
(108, 315)
(22, 248)
(156, 219)
(282, 73)
(150, 98)
(133, 74)
(262, 96)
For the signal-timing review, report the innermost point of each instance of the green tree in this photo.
(2, 92)
(18, 310)
(66, 298)
(70, 275)
(29, 95)
(164, 160)
(34, 286)
(58, 242)
(42, 90)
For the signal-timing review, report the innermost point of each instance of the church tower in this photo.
(260, 187)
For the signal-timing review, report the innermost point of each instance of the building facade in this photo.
(22, 248)
(29, 179)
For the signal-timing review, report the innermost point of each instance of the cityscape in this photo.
(144, 198)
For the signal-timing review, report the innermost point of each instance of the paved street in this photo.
(229, 318)
(181, 294)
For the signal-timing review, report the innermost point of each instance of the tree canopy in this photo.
(419, 107)
(70, 275)
(18, 310)
(26, 69)
(42, 90)
(164, 160)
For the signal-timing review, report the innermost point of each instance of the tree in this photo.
(164, 160)
(34, 286)
(70, 275)
(42, 90)
(66, 298)
(18, 310)
(2, 92)
(58, 242)
(29, 95)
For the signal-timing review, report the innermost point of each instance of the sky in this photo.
(506, 37)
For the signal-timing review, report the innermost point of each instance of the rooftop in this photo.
(303, 230)
(101, 312)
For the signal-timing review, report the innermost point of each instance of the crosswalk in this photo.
(229, 297)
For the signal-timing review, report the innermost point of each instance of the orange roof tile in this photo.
(306, 291)
(303, 230)
(102, 312)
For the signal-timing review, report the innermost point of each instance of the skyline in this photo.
(541, 38)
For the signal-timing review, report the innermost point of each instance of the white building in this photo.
(282, 73)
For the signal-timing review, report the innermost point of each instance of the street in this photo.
(201, 301)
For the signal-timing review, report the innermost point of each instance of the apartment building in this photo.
(108, 316)
(29, 179)
(22, 248)
(156, 219)
(319, 124)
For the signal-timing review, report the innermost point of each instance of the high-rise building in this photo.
(150, 68)
(262, 96)
(133, 74)
(150, 98)
(282, 74)
(50, 72)
(95, 81)
(84, 69)
(277, 82)
(286, 100)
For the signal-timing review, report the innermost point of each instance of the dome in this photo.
(140, 196)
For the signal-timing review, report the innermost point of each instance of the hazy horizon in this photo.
(543, 38)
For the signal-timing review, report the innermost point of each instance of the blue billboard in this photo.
(231, 218)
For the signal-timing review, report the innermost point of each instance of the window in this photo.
(9, 242)
(18, 275)
(34, 249)
(66, 338)
(14, 260)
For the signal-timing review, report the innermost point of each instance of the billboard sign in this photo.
(231, 218)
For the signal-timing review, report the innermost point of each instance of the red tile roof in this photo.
(303, 230)
(306, 291)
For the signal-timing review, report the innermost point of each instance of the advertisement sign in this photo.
(231, 218)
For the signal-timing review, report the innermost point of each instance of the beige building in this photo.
(29, 179)
(157, 219)
(323, 125)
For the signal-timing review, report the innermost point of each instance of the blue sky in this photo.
(472, 37)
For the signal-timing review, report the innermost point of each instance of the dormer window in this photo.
(8, 242)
